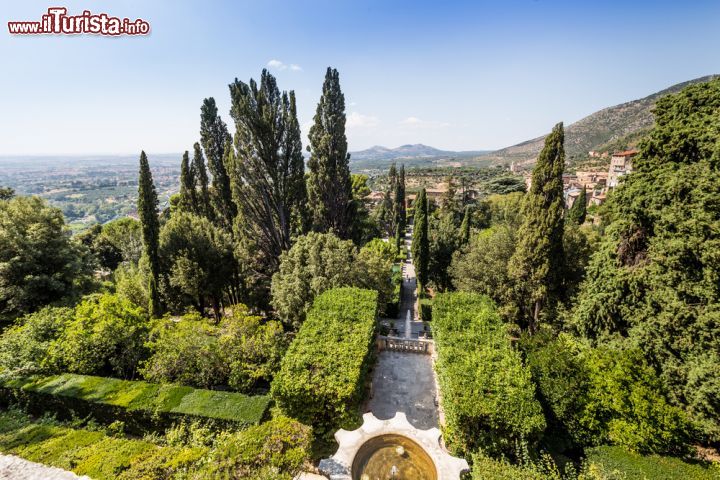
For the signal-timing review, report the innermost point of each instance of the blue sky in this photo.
(455, 75)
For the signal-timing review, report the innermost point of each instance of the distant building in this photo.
(620, 164)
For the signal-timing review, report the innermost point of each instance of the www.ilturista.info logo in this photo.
(58, 22)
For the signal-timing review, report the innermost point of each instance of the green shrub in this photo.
(487, 395)
(605, 395)
(322, 375)
(486, 468)
(241, 351)
(141, 405)
(89, 452)
(106, 337)
(24, 346)
(274, 450)
(616, 463)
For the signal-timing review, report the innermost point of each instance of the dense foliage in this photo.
(322, 375)
(488, 395)
(604, 395)
(39, 264)
(320, 261)
(275, 450)
(655, 280)
(420, 241)
(240, 351)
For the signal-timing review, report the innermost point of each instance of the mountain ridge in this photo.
(615, 127)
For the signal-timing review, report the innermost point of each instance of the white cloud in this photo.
(416, 122)
(276, 64)
(358, 120)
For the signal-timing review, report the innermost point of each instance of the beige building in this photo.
(620, 164)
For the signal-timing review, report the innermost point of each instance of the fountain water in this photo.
(408, 325)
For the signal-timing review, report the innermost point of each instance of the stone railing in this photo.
(412, 345)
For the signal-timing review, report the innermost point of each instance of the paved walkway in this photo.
(16, 468)
(404, 382)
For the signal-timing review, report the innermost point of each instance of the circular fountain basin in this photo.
(391, 449)
(392, 457)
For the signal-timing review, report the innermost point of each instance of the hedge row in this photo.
(487, 396)
(91, 452)
(141, 405)
(322, 375)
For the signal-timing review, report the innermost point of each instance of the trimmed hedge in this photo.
(616, 463)
(322, 376)
(91, 452)
(487, 395)
(141, 405)
(392, 310)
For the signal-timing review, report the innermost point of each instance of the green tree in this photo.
(444, 240)
(147, 211)
(197, 261)
(399, 205)
(201, 187)
(320, 261)
(329, 186)
(106, 337)
(39, 263)
(654, 276)
(364, 228)
(188, 194)
(482, 267)
(315, 263)
(215, 141)
(24, 346)
(125, 235)
(420, 242)
(536, 265)
(266, 168)
(6, 193)
(578, 211)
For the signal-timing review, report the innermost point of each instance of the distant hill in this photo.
(379, 157)
(612, 128)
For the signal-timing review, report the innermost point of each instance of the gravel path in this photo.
(16, 468)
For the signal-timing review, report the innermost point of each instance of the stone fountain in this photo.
(391, 449)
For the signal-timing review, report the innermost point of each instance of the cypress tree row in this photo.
(578, 211)
(216, 140)
(147, 211)
(203, 206)
(537, 264)
(188, 201)
(329, 185)
(420, 243)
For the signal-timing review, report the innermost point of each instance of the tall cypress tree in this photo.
(202, 190)
(421, 243)
(294, 162)
(147, 211)
(537, 264)
(188, 201)
(399, 206)
(329, 185)
(265, 168)
(215, 139)
(578, 211)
